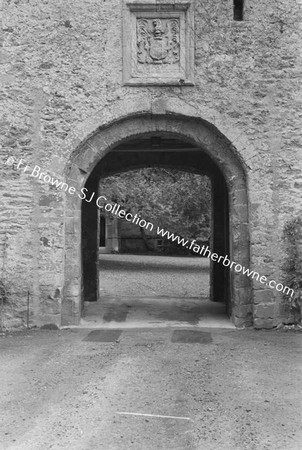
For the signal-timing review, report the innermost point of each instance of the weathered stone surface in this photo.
(263, 323)
(263, 296)
(264, 311)
(61, 81)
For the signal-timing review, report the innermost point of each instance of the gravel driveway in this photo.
(154, 275)
(151, 390)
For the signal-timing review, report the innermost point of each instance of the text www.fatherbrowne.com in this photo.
(206, 252)
(116, 209)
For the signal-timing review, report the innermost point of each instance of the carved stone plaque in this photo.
(158, 44)
(158, 41)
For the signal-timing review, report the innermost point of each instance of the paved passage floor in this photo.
(151, 389)
(139, 291)
(137, 312)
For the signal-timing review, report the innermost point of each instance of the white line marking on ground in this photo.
(153, 415)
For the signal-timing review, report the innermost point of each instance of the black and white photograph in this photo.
(151, 225)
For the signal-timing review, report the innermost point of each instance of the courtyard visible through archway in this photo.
(133, 286)
(145, 279)
(198, 149)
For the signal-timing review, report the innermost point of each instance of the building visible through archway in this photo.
(148, 151)
(158, 142)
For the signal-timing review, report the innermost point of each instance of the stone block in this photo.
(263, 296)
(264, 311)
(242, 311)
(243, 296)
(243, 322)
(263, 323)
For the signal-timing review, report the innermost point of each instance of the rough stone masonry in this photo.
(72, 69)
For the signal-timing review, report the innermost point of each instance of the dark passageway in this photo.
(113, 278)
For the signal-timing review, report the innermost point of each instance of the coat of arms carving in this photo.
(158, 41)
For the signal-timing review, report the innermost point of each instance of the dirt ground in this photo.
(232, 389)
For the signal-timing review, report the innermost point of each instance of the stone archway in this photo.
(211, 143)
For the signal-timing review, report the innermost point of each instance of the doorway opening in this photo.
(131, 270)
(148, 140)
(103, 233)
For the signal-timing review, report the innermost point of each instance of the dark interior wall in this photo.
(90, 242)
(102, 240)
(220, 282)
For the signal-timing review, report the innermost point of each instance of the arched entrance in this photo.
(190, 144)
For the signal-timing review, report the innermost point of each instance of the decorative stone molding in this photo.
(158, 43)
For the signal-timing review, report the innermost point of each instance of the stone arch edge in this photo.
(238, 195)
(145, 105)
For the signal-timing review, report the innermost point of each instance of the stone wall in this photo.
(62, 79)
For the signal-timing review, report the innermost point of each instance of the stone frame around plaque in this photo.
(158, 43)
